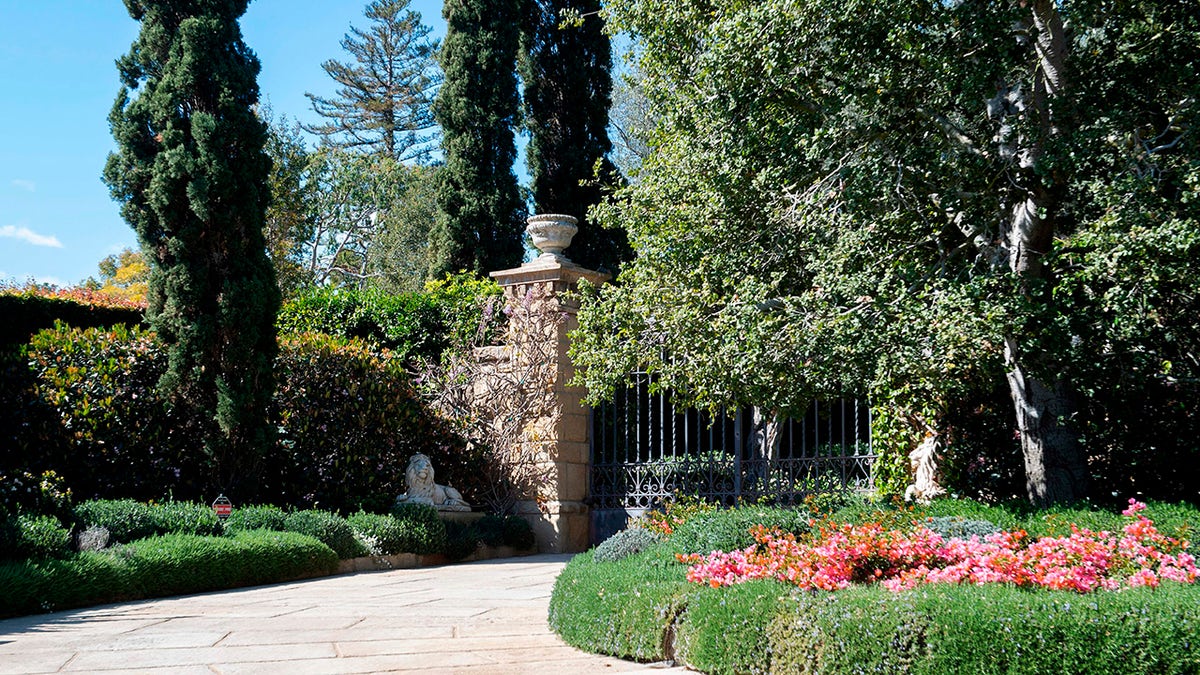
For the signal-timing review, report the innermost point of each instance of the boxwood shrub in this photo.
(988, 629)
(127, 520)
(161, 566)
(424, 531)
(256, 518)
(729, 529)
(620, 608)
(329, 528)
(34, 537)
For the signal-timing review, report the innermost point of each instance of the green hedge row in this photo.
(641, 608)
(638, 605)
(409, 324)
(86, 406)
(159, 566)
(28, 311)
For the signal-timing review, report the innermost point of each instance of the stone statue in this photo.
(418, 478)
(923, 461)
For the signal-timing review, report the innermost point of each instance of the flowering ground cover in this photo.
(836, 555)
(877, 588)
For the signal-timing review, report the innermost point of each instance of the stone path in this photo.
(484, 617)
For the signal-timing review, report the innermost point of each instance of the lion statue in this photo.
(418, 478)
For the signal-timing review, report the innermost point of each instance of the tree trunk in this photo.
(1055, 467)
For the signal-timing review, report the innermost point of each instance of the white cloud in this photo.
(26, 185)
(29, 236)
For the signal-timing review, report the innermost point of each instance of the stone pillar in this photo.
(560, 443)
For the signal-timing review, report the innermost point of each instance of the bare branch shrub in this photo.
(502, 400)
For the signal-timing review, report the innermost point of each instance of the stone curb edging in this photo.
(403, 561)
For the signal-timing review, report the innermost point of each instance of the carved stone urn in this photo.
(551, 233)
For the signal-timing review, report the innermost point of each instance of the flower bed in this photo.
(875, 590)
(840, 555)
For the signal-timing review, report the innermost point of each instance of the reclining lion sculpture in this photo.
(422, 489)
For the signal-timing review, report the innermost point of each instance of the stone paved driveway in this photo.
(484, 617)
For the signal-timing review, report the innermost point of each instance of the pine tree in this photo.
(191, 175)
(481, 215)
(383, 103)
(567, 72)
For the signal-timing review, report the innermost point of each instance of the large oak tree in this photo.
(918, 200)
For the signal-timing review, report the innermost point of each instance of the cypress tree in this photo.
(192, 178)
(481, 215)
(567, 72)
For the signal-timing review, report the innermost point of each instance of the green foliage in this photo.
(517, 532)
(192, 180)
(409, 324)
(953, 629)
(471, 309)
(729, 529)
(723, 631)
(161, 566)
(822, 214)
(621, 608)
(29, 310)
(32, 537)
(256, 518)
(461, 540)
(509, 530)
(480, 211)
(384, 96)
(625, 543)
(566, 68)
(328, 528)
(414, 528)
(289, 223)
(348, 422)
(24, 492)
(127, 520)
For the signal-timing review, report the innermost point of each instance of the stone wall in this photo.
(557, 440)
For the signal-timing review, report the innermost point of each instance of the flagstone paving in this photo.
(483, 617)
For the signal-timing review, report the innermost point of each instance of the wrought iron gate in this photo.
(644, 450)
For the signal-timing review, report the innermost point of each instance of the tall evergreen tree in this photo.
(567, 72)
(191, 175)
(481, 214)
(383, 103)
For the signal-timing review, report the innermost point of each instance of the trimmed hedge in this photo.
(161, 566)
(641, 607)
(27, 311)
(348, 420)
(329, 528)
(723, 631)
(988, 629)
(33, 537)
(409, 324)
(424, 530)
(620, 608)
(127, 520)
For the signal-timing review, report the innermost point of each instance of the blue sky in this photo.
(58, 84)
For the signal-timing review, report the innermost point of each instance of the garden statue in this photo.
(924, 466)
(418, 478)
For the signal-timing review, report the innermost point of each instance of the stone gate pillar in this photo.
(559, 443)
